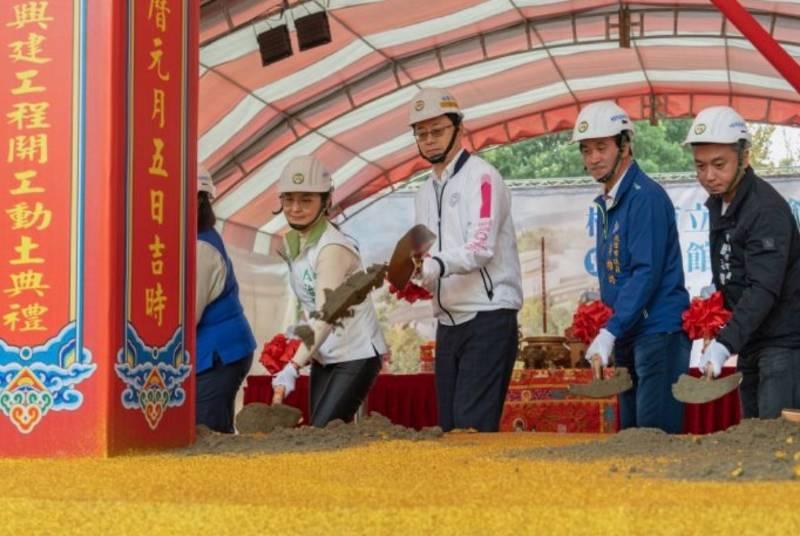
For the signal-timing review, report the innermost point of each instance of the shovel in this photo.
(405, 257)
(599, 387)
(701, 390)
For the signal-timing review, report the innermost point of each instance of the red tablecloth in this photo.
(715, 415)
(407, 399)
(410, 400)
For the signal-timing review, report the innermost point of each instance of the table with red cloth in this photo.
(536, 399)
(406, 399)
(713, 416)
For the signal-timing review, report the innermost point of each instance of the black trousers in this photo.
(216, 393)
(474, 361)
(337, 390)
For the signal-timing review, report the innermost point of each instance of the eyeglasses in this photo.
(434, 133)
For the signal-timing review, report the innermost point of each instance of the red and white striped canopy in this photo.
(519, 68)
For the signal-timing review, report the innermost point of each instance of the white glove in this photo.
(602, 345)
(286, 378)
(430, 273)
(716, 354)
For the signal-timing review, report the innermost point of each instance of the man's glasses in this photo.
(434, 133)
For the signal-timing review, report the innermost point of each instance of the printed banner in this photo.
(153, 364)
(42, 358)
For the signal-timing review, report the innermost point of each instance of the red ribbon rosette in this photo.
(705, 317)
(588, 319)
(411, 293)
(278, 352)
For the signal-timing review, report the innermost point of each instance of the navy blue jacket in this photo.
(223, 328)
(639, 261)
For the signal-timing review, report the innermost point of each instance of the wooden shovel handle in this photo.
(597, 367)
(277, 396)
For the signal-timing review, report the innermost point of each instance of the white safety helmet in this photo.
(304, 174)
(718, 124)
(604, 119)
(432, 102)
(204, 182)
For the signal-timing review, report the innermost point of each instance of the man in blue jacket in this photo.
(640, 270)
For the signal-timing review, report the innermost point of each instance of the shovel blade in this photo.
(692, 390)
(417, 241)
(259, 418)
(618, 383)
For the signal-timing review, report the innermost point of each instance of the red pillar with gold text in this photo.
(97, 184)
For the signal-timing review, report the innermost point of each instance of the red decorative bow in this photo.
(588, 319)
(411, 293)
(705, 317)
(278, 352)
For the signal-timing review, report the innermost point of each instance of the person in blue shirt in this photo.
(225, 342)
(640, 271)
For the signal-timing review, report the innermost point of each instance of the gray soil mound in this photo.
(260, 418)
(306, 438)
(753, 450)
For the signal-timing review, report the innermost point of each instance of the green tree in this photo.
(760, 146)
(657, 149)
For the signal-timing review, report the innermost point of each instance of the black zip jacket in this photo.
(755, 260)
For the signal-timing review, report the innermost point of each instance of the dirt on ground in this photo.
(753, 450)
(336, 435)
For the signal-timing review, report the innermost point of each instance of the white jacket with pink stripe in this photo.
(469, 209)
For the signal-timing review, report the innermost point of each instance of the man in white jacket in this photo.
(473, 269)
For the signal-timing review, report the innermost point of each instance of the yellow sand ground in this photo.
(458, 485)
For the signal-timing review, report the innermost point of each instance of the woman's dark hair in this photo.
(205, 213)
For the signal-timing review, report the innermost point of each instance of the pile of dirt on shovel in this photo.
(752, 450)
(306, 438)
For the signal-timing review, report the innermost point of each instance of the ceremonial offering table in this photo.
(538, 400)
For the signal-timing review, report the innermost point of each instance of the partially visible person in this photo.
(755, 262)
(225, 342)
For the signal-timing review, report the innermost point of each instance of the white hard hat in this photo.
(432, 102)
(718, 124)
(204, 182)
(602, 119)
(304, 174)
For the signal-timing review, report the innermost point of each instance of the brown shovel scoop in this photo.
(692, 390)
(599, 387)
(409, 249)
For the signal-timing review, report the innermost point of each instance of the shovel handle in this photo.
(708, 372)
(597, 367)
(277, 396)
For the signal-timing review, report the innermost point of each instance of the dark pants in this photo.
(474, 361)
(770, 382)
(654, 362)
(216, 393)
(337, 390)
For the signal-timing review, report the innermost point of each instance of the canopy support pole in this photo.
(761, 39)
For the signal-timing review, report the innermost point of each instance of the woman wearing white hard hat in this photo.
(755, 262)
(225, 342)
(474, 270)
(639, 269)
(344, 362)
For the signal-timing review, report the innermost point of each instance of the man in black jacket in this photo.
(755, 260)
